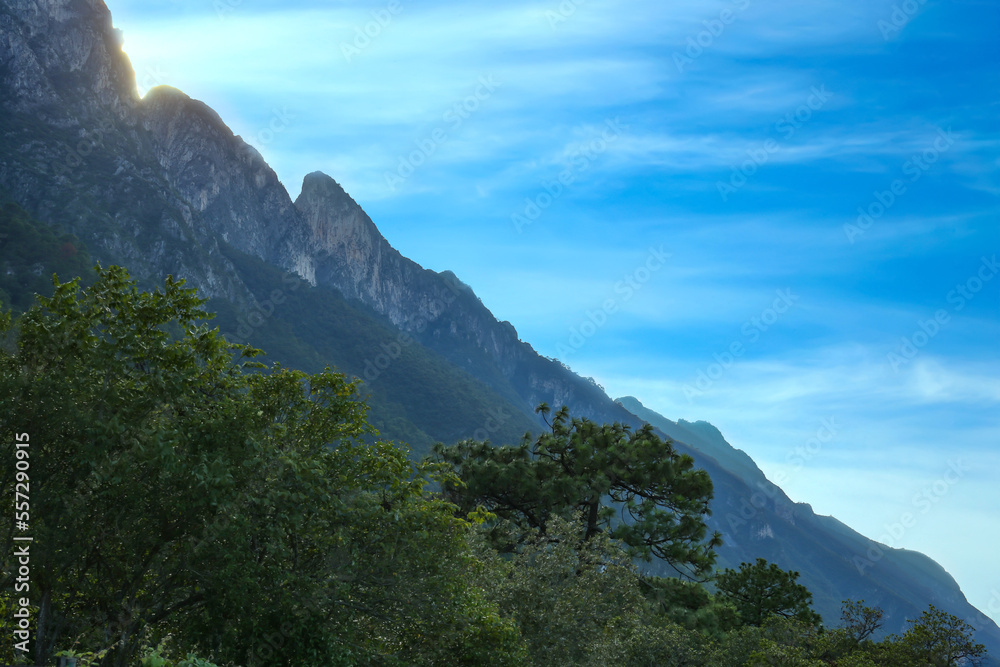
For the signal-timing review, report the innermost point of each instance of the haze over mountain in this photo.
(161, 185)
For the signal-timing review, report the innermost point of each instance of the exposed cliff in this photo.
(236, 194)
(445, 315)
(74, 150)
(57, 50)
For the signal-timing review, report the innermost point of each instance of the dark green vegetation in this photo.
(188, 500)
(763, 590)
(595, 473)
(30, 253)
(183, 489)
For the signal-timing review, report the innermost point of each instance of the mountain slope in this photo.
(757, 519)
(702, 436)
(74, 150)
(158, 183)
(162, 186)
(351, 255)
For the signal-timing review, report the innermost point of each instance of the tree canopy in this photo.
(176, 480)
(938, 639)
(193, 507)
(760, 590)
(631, 485)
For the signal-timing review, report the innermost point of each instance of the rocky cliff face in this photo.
(350, 254)
(235, 193)
(75, 153)
(55, 49)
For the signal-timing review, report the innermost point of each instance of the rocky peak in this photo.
(227, 181)
(349, 251)
(318, 185)
(336, 220)
(61, 50)
(168, 104)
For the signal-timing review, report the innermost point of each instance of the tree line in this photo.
(192, 506)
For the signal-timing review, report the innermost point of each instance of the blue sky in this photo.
(668, 197)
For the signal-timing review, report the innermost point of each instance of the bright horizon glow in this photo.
(824, 107)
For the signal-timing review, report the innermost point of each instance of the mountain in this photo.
(162, 186)
(702, 436)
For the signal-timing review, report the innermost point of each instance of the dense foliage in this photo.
(762, 590)
(177, 480)
(595, 472)
(192, 507)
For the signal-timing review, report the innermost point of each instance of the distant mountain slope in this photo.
(162, 185)
(350, 254)
(415, 395)
(757, 520)
(701, 435)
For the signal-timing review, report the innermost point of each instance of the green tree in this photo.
(762, 590)
(690, 605)
(936, 639)
(778, 641)
(593, 473)
(859, 621)
(181, 488)
(658, 642)
(569, 597)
